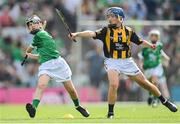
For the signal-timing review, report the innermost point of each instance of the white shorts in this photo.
(125, 66)
(156, 71)
(57, 69)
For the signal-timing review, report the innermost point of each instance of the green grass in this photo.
(125, 113)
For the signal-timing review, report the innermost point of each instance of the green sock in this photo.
(76, 102)
(150, 94)
(36, 102)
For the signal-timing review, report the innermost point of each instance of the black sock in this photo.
(111, 108)
(76, 102)
(162, 99)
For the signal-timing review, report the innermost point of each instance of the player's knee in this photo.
(114, 85)
(42, 85)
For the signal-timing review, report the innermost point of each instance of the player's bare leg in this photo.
(72, 92)
(113, 77)
(41, 86)
(153, 100)
(154, 80)
(142, 81)
(164, 89)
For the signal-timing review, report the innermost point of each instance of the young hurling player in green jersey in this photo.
(152, 65)
(116, 39)
(52, 66)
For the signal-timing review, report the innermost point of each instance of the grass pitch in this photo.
(124, 113)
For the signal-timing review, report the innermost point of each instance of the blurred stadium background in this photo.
(17, 83)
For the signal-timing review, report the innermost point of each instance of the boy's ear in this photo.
(120, 18)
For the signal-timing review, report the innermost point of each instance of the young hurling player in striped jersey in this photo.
(116, 39)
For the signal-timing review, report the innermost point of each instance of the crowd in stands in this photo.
(14, 37)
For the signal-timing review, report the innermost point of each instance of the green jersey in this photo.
(45, 46)
(151, 58)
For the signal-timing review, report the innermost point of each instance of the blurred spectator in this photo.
(47, 14)
(87, 10)
(14, 9)
(5, 77)
(167, 11)
(72, 5)
(59, 42)
(177, 10)
(137, 10)
(18, 53)
(151, 6)
(32, 74)
(5, 18)
(95, 65)
(67, 14)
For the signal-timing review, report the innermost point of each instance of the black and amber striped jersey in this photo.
(117, 42)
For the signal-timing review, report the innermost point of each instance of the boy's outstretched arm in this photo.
(85, 34)
(30, 55)
(148, 44)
